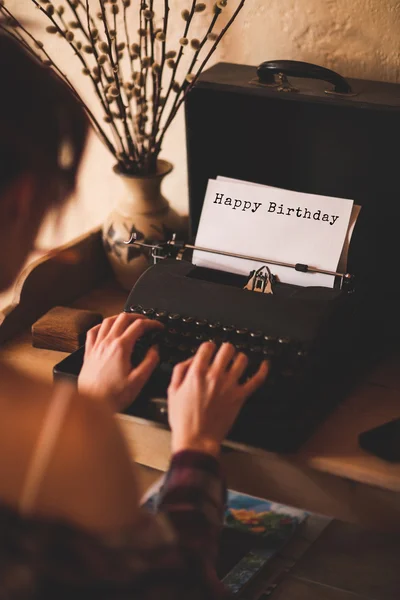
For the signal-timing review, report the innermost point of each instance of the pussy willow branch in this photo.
(122, 109)
(140, 82)
(199, 71)
(125, 152)
(204, 41)
(102, 72)
(177, 62)
(115, 70)
(191, 67)
(75, 49)
(120, 99)
(109, 42)
(73, 8)
(154, 75)
(82, 5)
(137, 127)
(156, 104)
(133, 99)
(145, 71)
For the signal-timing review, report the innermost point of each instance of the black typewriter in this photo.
(300, 127)
(285, 324)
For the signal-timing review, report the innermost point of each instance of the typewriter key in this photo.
(283, 346)
(302, 354)
(269, 339)
(227, 332)
(213, 327)
(188, 320)
(148, 312)
(255, 350)
(173, 331)
(162, 315)
(268, 353)
(187, 334)
(241, 347)
(201, 323)
(135, 308)
(242, 332)
(202, 337)
(174, 317)
(256, 335)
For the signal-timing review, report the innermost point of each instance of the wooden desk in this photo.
(329, 475)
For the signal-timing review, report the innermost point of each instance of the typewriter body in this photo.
(319, 341)
(289, 328)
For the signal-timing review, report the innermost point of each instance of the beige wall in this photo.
(358, 38)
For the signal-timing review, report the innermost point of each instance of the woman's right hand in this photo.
(205, 397)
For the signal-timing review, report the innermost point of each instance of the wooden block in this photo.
(63, 328)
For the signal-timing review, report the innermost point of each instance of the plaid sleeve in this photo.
(193, 497)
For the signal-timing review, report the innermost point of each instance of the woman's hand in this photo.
(107, 372)
(205, 397)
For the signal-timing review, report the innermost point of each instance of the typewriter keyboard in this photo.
(183, 335)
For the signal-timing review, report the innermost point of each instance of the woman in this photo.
(70, 516)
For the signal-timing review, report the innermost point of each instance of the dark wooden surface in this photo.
(331, 560)
(354, 559)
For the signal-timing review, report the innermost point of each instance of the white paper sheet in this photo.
(274, 224)
(342, 264)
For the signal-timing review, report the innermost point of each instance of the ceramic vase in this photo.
(143, 210)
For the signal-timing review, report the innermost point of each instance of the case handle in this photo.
(267, 70)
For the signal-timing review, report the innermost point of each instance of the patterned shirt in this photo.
(167, 556)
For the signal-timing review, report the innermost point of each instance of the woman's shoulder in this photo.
(88, 477)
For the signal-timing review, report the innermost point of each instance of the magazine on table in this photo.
(254, 531)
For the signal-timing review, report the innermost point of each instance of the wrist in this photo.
(98, 396)
(205, 445)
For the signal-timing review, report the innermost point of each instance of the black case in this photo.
(344, 145)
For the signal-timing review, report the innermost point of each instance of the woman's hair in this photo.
(42, 126)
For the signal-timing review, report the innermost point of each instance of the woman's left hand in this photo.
(107, 372)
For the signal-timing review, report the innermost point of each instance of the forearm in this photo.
(193, 497)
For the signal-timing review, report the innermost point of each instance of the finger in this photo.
(179, 373)
(239, 366)
(122, 322)
(223, 357)
(203, 356)
(138, 328)
(257, 380)
(91, 337)
(140, 376)
(106, 327)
